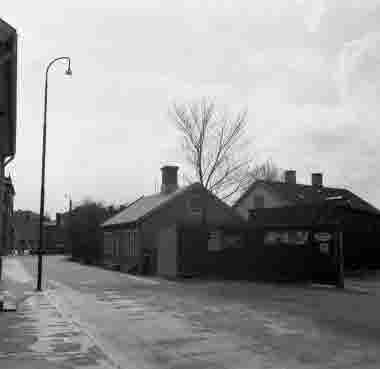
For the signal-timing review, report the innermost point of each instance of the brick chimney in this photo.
(169, 179)
(317, 179)
(290, 176)
(58, 219)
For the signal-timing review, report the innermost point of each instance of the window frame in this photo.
(190, 201)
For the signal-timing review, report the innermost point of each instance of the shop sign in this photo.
(322, 236)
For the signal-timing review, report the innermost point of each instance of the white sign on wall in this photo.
(323, 236)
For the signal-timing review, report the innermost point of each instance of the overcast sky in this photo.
(308, 72)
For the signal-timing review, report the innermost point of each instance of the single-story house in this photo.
(275, 194)
(299, 231)
(178, 231)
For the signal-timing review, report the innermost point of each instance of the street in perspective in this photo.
(189, 185)
(104, 319)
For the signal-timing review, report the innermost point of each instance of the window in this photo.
(115, 251)
(233, 241)
(108, 243)
(298, 237)
(131, 243)
(214, 243)
(290, 237)
(195, 204)
(258, 201)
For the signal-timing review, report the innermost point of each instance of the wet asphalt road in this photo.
(153, 323)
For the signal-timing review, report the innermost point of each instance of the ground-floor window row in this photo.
(121, 243)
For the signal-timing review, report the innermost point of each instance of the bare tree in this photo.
(214, 144)
(267, 171)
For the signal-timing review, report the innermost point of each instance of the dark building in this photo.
(27, 233)
(26, 229)
(8, 95)
(7, 207)
(176, 232)
(54, 236)
(308, 232)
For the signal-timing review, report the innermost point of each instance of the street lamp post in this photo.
(42, 198)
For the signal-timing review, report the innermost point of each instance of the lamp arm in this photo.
(54, 60)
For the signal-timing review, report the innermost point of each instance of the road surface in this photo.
(153, 323)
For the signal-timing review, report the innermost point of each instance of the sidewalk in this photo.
(36, 336)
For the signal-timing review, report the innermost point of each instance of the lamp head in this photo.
(69, 72)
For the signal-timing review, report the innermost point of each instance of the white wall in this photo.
(270, 201)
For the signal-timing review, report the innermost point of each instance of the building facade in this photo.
(8, 235)
(26, 229)
(314, 232)
(8, 96)
(271, 194)
(153, 234)
(26, 226)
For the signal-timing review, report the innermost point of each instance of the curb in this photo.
(112, 363)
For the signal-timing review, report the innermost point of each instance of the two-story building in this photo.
(8, 95)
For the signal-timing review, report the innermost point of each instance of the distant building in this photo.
(175, 232)
(26, 229)
(54, 236)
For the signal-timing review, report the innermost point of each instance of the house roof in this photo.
(5, 30)
(145, 206)
(307, 215)
(293, 216)
(300, 194)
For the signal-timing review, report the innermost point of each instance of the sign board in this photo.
(322, 236)
(324, 248)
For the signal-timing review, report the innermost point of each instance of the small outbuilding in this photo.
(176, 232)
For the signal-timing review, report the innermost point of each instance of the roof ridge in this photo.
(164, 201)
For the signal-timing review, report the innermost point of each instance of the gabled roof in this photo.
(6, 30)
(306, 215)
(299, 194)
(146, 205)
